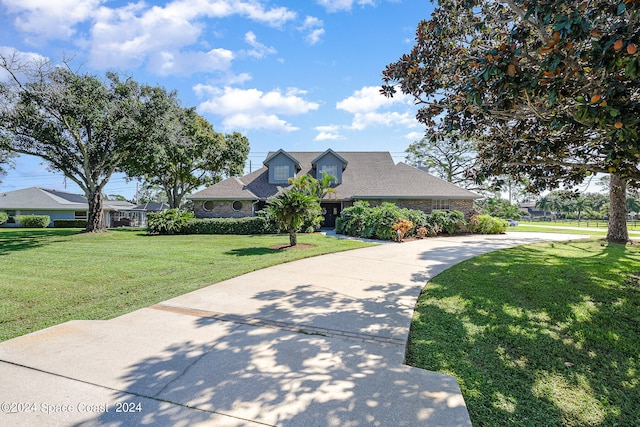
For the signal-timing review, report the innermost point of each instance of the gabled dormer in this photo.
(331, 163)
(282, 166)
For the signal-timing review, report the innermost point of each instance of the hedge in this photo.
(485, 224)
(361, 220)
(247, 225)
(34, 221)
(70, 223)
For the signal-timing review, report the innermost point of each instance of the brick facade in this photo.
(222, 209)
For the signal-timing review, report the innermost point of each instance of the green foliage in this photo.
(352, 220)
(80, 124)
(3, 217)
(182, 151)
(364, 221)
(486, 224)
(171, 221)
(248, 225)
(499, 208)
(293, 209)
(451, 222)
(69, 223)
(548, 89)
(33, 221)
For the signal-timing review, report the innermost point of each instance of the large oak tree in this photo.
(182, 150)
(78, 123)
(549, 89)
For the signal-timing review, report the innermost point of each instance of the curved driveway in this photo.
(314, 342)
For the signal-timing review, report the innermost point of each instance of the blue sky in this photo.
(298, 75)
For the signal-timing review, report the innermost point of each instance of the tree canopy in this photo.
(78, 123)
(182, 150)
(549, 90)
(446, 155)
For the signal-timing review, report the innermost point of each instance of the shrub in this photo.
(69, 223)
(171, 221)
(3, 217)
(451, 222)
(401, 227)
(378, 222)
(248, 225)
(352, 220)
(34, 221)
(489, 225)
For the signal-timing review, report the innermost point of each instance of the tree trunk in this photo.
(95, 221)
(293, 238)
(617, 231)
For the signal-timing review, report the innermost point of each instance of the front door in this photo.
(330, 211)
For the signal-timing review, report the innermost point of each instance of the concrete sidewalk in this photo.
(315, 342)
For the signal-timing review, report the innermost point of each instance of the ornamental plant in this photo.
(401, 227)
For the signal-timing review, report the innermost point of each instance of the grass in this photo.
(51, 276)
(539, 335)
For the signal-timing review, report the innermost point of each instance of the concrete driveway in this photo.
(315, 342)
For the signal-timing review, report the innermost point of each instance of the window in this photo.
(237, 205)
(440, 205)
(80, 215)
(281, 172)
(208, 205)
(329, 170)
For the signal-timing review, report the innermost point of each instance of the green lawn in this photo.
(539, 335)
(52, 276)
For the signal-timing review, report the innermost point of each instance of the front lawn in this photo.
(51, 276)
(539, 335)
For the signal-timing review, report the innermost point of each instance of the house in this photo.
(56, 204)
(370, 176)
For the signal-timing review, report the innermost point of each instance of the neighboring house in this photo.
(137, 215)
(369, 176)
(57, 205)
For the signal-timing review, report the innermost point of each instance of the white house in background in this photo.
(62, 205)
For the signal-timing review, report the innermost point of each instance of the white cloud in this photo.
(137, 34)
(326, 133)
(370, 108)
(414, 136)
(50, 19)
(186, 63)
(369, 99)
(315, 29)
(259, 49)
(364, 120)
(254, 109)
(340, 5)
(18, 57)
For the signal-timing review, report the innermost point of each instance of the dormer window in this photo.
(281, 172)
(329, 170)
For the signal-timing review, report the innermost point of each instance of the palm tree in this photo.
(580, 204)
(291, 208)
(309, 185)
(544, 203)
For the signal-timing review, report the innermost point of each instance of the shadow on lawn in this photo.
(252, 251)
(536, 337)
(14, 240)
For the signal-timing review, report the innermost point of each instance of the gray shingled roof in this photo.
(408, 182)
(36, 198)
(367, 175)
